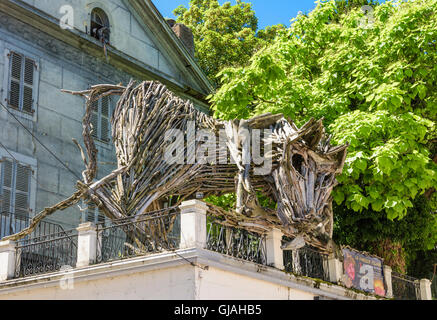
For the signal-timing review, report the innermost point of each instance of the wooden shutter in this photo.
(29, 66)
(100, 119)
(6, 185)
(21, 86)
(95, 119)
(104, 119)
(91, 212)
(15, 188)
(100, 218)
(94, 215)
(15, 80)
(22, 190)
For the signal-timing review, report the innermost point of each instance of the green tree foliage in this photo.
(415, 234)
(344, 6)
(224, 35)
(375, 87)
(373, 77)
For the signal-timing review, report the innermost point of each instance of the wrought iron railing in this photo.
(11, 223)
(237, 243)
(138, 236)
(404, 287)
(307, 262)
(46, 254)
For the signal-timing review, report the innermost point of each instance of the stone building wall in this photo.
(57, 118)
(127, 34)
(58, 115)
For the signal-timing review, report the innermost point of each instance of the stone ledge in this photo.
(199, 257)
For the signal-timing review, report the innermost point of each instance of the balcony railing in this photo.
(46, 254)
(142, 235)
(404, 287)
(11, 223)
(180, 228)
(237, 243)
(307, 262)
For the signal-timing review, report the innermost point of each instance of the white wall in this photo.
(177, 283)
(169, 276)
(165, 284)
(216, 284)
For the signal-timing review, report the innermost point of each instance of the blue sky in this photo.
(269, 12)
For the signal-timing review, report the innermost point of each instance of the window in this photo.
(15, 188)
(94, 215)
(100, 119)
(21, 82)
(100, 25)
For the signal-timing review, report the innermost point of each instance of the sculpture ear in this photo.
(340, 155)
(313, 132)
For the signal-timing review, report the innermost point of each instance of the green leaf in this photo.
(423, 72)
(377, 205)
(370, 97)
(422, 91)
(338, 196)
(361, 164)
(396, 101)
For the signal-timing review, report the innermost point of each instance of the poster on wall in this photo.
(363, 272)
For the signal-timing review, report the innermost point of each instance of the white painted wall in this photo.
(165, 284)
(169, 276)
(216, 284)
(178, 283)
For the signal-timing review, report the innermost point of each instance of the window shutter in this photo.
(104, 120)
(21, 87)
(15, 79)
(94, 215)
(91, 213)
(6, 185)
(100, 218)
(29, 67)
(95, 119)
(100, 119)
(22, 190)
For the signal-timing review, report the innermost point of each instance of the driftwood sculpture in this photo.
(163, 147)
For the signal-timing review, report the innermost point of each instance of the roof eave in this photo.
(147, 11)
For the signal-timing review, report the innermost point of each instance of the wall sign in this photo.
(363, 272)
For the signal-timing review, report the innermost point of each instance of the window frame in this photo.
(9, 49)
(103, 15)
(26, 161)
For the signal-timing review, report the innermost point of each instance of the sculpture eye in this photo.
(297, 162)
(328, 180)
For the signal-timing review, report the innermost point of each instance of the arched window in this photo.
(100, 28)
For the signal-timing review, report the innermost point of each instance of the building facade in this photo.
(47, 46)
